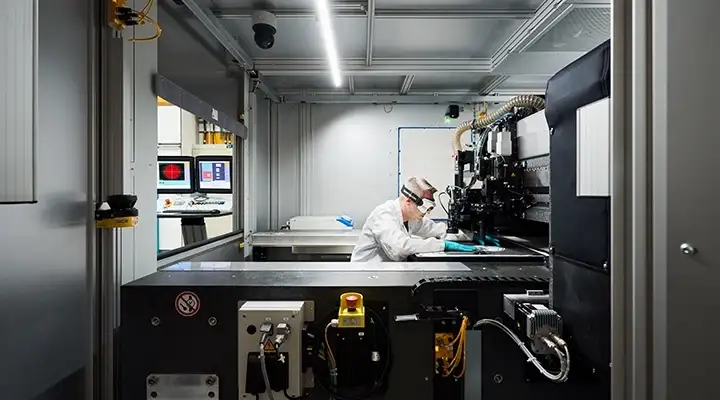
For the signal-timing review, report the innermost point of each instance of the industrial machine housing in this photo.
(319, 330)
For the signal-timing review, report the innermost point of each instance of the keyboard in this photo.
(191, 212)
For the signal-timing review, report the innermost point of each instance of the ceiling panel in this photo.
(300, 82)
(300, 38)
(581, 30)
(439, 38)
(365, 83)
(469, 82)
(475, 4)
(532, 82)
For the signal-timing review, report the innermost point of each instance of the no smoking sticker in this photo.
(187, 304)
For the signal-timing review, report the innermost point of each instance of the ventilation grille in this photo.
(581, 30)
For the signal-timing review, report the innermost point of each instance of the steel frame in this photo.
(407, 83)
(370, 33)
(360, 11)
(344, 97)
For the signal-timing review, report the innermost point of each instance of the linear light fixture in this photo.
(326, 30)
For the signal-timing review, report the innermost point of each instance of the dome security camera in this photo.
(265, 27)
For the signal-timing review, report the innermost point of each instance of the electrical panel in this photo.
(272, 332)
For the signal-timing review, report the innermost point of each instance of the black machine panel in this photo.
(156, 339)
(580, 227)
(581, 294)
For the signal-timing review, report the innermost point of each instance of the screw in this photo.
(498, 378)
(687, 249)
(605, 265)
(152, 381)
(155, 321)
(427, 379)
(210, 380)
(153, 394)
(212, 321)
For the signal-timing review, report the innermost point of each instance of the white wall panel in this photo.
(352, 151)
(169, 124)
(18, 69)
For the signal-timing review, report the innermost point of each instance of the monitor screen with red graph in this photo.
(175, 175)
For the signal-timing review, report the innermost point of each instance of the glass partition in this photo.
(195, 178)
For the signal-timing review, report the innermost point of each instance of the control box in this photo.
(273, 331)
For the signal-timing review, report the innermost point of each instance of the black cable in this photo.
(441, 203)
(379, 381)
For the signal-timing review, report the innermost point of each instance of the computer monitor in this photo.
(214, 174)
(175, 174)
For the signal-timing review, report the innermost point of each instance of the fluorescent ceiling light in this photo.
(326, 30)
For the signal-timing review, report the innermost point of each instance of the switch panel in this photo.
(283, 347)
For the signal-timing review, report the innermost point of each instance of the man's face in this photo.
(414, 211)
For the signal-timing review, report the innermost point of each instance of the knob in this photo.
(687, 249)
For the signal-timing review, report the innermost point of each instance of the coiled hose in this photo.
(520, 101)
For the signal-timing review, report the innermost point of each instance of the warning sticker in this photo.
(187, 304)
(269, 346)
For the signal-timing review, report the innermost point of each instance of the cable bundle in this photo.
(126, 16)
(460, 349)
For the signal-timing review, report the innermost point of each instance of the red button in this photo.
(352, 301)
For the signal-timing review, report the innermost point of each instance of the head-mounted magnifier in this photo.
(423, 204)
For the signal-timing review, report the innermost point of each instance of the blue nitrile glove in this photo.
(455, 246)
(488, 241)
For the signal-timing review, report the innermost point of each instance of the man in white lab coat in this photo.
(399, 228)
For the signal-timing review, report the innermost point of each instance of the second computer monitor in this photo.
(214, 174)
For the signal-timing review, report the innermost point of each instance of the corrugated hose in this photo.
(520, 101)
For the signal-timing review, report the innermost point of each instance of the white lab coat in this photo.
(385, 238)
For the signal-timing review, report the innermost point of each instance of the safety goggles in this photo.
(424, 205)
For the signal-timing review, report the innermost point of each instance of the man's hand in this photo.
(459, 247)
(488, 241)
